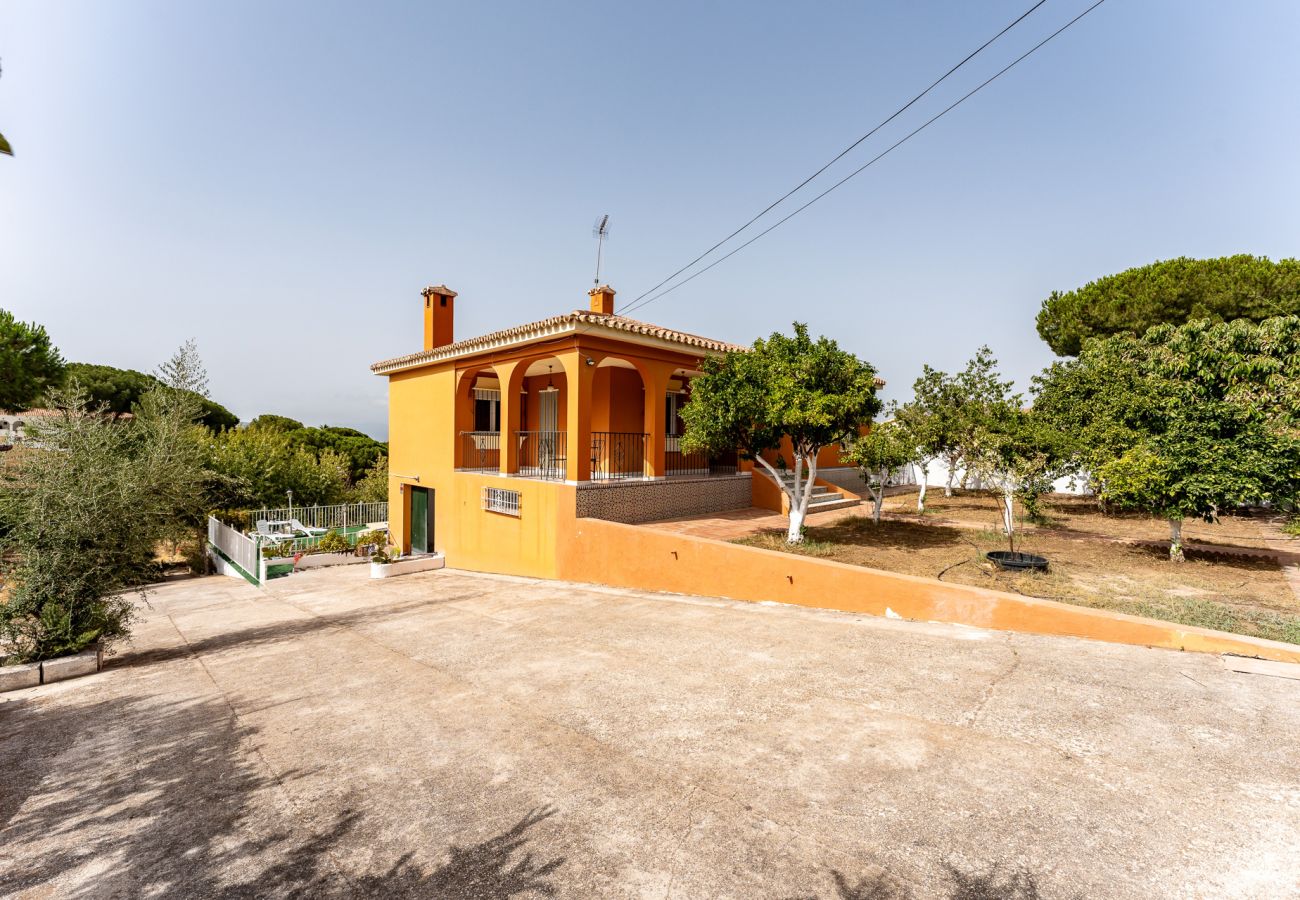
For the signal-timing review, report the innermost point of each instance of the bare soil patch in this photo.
(1241, 594)
(1064, 512)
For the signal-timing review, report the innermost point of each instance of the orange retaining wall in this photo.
(629, 556)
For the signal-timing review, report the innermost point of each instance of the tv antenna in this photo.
(600, 231)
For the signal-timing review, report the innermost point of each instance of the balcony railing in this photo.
(481, 450)
(695, 462)
(617, 454)
(543, 454)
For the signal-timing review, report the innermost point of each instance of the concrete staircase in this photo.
(823, 499)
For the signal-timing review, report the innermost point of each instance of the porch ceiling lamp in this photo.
(550, 383)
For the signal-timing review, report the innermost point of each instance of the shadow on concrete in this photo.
(148, 797)
(489, 870)
(286, 629)
(988, 885)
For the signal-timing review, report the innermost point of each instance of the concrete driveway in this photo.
(449, 735)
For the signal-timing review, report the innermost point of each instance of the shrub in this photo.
(271, 551)
(85, 512)
(235, 518)
(333, 542)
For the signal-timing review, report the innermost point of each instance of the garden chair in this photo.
(303, 529)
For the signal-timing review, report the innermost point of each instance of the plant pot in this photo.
(1016, 561)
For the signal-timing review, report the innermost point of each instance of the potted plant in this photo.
(381, 561)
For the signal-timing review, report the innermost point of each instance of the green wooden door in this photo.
(421, 530)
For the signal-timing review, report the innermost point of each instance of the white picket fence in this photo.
(340, 515)
(239, 549)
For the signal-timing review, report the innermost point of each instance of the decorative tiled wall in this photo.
(633, 502)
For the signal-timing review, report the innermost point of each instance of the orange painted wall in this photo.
(648, 559)
(534, 385)
(616, 400)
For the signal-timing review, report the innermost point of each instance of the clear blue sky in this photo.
(280, 179)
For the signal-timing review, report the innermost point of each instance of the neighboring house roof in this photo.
(556, 326)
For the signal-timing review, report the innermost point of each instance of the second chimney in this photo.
(439, 305)
(602, 300)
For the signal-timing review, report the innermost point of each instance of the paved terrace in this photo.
(447, 735)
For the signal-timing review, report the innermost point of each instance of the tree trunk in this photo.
(1176, 540)
(920, 497)
(878, 496)
(947, 488)
(795, 533)
(797, 509)
(1009, 512)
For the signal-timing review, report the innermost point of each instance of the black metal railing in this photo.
(617, 454)
(695, 462)
(480, 450)
(543, 454)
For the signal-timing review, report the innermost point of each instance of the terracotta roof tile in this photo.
(555, 324)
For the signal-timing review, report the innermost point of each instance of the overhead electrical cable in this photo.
(644, 302)
(894, 115)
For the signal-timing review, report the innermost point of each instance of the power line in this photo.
(873, 160)
(902, 109)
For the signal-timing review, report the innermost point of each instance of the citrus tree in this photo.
(1184, 421)
(808, 390)
(878, 456)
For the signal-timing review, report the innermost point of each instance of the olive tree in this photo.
(85, 507)
(811, 392)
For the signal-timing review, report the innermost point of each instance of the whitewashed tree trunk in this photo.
(1176, 540)
(1008, 509)
(925, 479)
(799, 494)
(878, 495)
(951, 462)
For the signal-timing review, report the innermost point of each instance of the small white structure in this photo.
(936, 476)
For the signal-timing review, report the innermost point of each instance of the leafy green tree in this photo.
(275, 423)
(29, 363)
(932, 419)
(372, 487)
(946, 412)
(119, 391)
(1020, 453)
(878, 456)
(1170, 292)
(85, 508)
(359, 449)
(116, 391)
(268, 463)
(810, 391)
(1184, 421)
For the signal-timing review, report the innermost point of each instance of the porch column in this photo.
(511, 376)
(578, 379)
(462, 414)
(654, 378)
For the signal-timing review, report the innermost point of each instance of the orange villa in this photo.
(500, 443)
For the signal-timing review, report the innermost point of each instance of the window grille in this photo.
(500, 500)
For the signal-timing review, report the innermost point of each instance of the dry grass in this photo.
(1246, 595)
(1070, 513)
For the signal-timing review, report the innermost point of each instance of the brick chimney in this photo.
(439, 305)
(602, 300)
